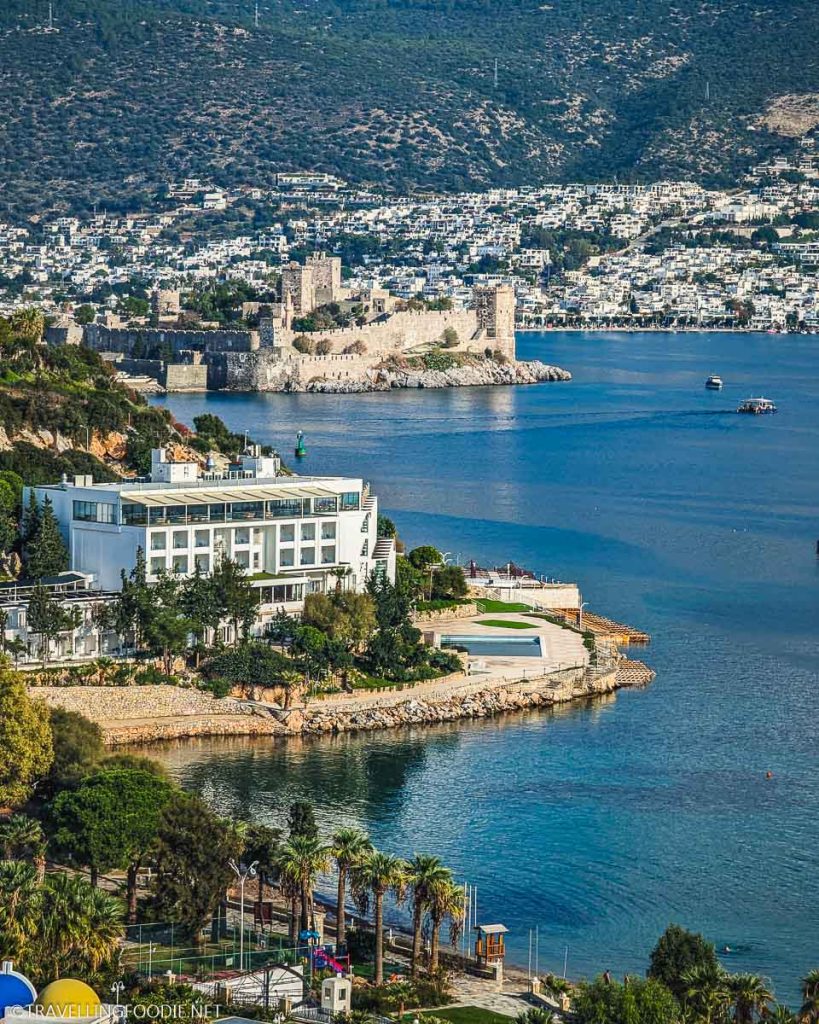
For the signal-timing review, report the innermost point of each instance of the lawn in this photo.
(501, 624)
(470, 1015)
(502, 606)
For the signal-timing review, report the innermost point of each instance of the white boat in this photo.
(757, 406)
(714, 382)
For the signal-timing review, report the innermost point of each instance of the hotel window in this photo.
(134, 515)
(95, 512)
(287, 508)
(350, 501)
(247, 510)
(308, 556)
(287, 533)
(258, 534)
(198, 513)
(257, 560)
(217, 513)
(158, 542)
(365, 549)
(241, 536)
(308, 531)
(180, 563)
(180, 540)
(202, 563)
(325, 506)
(157, 565)
(286, 558)
(328, 531)
(201, 538)
(242, 559)
(328, 554)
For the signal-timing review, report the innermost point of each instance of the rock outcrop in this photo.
(479, 374)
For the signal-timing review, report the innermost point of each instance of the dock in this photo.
(623, 635)
(634, 673)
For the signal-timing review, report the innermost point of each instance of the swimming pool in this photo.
(496, 646)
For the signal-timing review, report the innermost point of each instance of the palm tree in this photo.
(81, 927)
(300, 860)
(20, 907)
(425, 873)
(349, 847)
(535, 1015)
(22, 838)
(778, 1014)
(379, 874)
(750, 996)
(706, 993)
(809, 1012)
(446, 901)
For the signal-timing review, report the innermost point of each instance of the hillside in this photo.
(125, 94)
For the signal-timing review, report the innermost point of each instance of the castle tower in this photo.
(165, 303)
(495, 312)
(298, 283)
(326, 277)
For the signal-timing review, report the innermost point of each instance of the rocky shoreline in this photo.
(485, 373)
(150, 714)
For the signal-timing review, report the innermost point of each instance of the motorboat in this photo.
(714, 382)
(757, 406)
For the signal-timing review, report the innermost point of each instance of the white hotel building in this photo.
(293, 535)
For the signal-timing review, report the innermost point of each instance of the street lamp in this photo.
(117, 988)
(243, 876)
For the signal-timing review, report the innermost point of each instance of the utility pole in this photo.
(243, 877)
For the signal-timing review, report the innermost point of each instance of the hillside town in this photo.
(668, 254)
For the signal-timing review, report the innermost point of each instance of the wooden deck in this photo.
(634, 673)
(624, 635)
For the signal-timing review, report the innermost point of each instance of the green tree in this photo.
(809, 1011)
(349, 847)
(678, 951)
(193, 851)
(705, 993)
(301, 820)
(26, 745)
(262, 844)
(637, 1002)
(750, 996)
(110, 822)
(235, 598)
(446, 901)
(450, 338)
(20, 908)
(449, 582)
(49, 619)
(425, 873)
(78, 748)
(85, 314)
(300, 860)
(379, 874)
(424, 557)
(44, 550)
(22, 838)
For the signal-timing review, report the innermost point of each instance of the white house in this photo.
(293, 535)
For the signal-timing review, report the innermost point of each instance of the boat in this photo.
(714, 382)
(757, 406)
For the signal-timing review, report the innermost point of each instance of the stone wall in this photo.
(148, 342)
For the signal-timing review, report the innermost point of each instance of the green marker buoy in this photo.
(301, 451)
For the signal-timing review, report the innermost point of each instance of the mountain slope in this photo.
(128, 93)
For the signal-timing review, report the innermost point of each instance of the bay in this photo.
(601, 824)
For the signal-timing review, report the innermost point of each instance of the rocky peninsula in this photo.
(483, 373)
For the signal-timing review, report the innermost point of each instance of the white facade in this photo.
(292, 535)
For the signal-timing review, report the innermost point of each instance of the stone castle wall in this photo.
(148, 341)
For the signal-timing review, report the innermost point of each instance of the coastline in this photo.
(152, 714)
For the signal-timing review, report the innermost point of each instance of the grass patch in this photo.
(502, 606)
(501, 624)
(469, 1015)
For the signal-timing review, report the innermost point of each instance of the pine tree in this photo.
(45, 553)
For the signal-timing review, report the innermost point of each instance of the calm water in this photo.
(602, 824)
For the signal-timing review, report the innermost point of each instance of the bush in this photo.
(217, 686)
(324, 347)
(358, 348)
(450, 338)
(305, 345)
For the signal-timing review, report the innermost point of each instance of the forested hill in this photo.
(124, 94)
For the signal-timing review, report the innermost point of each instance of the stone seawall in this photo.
(148, 714)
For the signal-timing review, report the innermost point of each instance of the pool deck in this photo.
(561, 647)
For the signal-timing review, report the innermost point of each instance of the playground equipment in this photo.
(324, 960)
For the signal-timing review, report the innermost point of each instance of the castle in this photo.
(281, 347)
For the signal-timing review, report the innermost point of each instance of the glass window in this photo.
(328, 531)
(247, 510)
(134, 515)
(285, 508)
(242, 558)
(365, 549)
(201, 538)
(217, 513)
(241, 536)
(178, 514)
(94, 512)
(287, 532)
(202, 563)
(308, 531)
(158, 541)
(180, 540)
(286, 557)
(308, 556)
(198, 513)
(257, 560)
(157, 565)
(258, 534)
(325, 506)
(328, 554)
(180, 563)
(350, 500)
(159, 516)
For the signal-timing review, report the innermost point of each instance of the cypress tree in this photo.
(45, 552)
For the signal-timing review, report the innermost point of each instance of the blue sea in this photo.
(600, 824)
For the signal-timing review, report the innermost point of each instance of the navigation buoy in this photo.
(301, 451)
